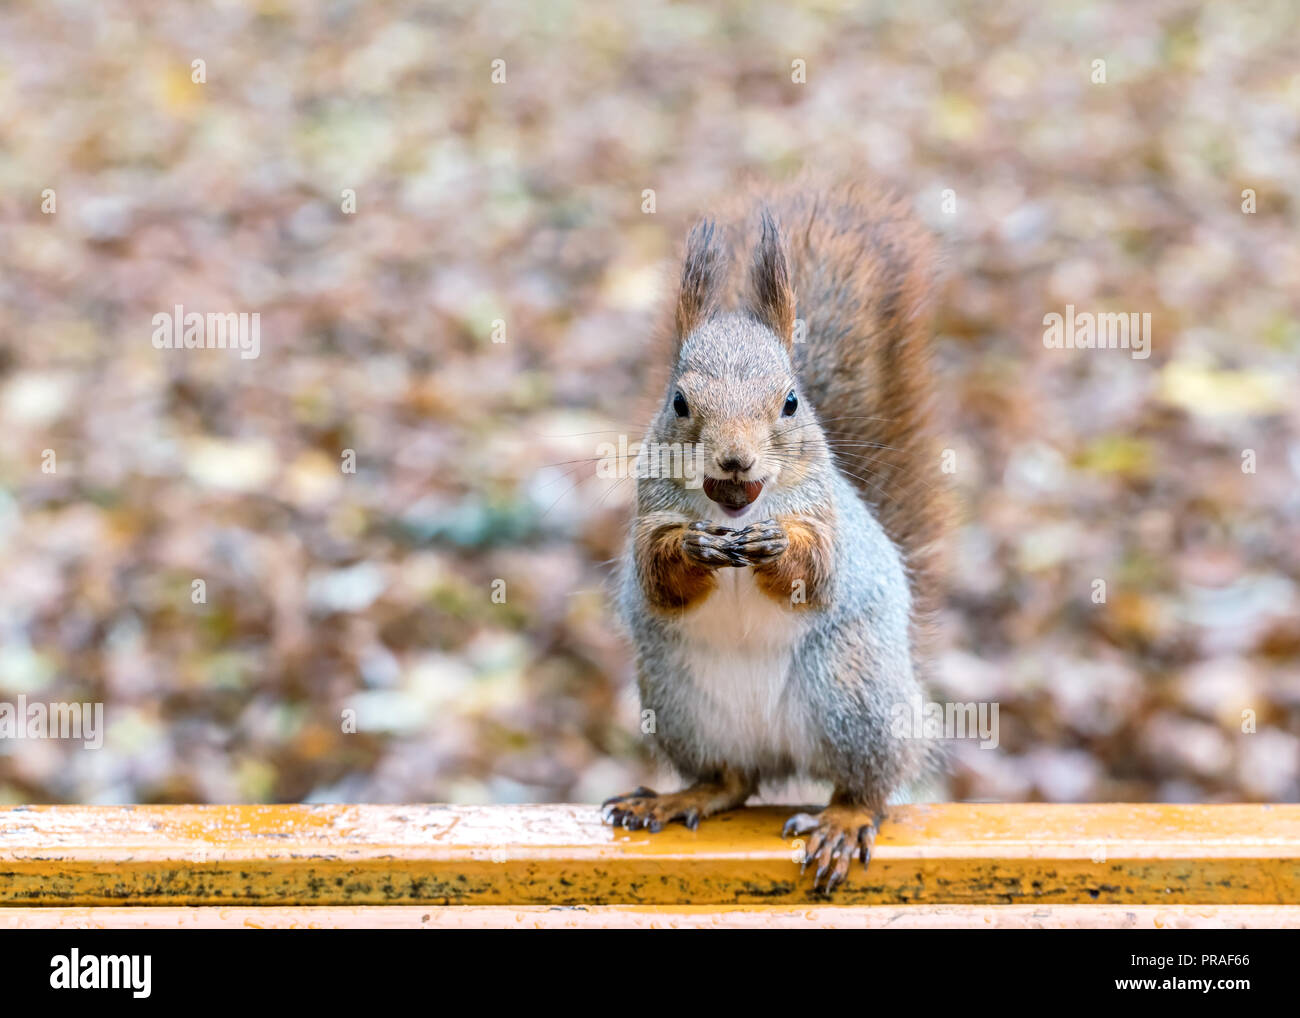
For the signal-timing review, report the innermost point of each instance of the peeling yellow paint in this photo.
(963, 854)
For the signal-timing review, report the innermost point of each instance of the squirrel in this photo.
(779, 612)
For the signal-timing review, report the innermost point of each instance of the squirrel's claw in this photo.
(800, 823)
(610, 812)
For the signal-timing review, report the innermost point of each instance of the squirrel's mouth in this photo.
(732, 495)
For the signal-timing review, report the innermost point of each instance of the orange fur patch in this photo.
(806, 559)
(670, 581)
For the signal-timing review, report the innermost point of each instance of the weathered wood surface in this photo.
(349, 855)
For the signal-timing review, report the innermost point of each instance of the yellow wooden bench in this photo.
(559, 866)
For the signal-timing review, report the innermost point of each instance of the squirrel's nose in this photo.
(732, 464)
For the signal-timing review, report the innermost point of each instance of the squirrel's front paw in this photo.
(708, 544)
(759, 543)
(838, 834)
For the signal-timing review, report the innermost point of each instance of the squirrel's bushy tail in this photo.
(863, 274)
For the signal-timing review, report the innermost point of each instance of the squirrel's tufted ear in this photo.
(702, 274)
(773, 295)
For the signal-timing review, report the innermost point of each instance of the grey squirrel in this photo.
(779, 612)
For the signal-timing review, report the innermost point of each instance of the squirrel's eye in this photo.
(679, 405)
(791, 405)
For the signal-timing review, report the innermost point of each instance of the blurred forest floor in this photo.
(329, 592)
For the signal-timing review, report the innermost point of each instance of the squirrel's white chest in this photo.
(739, 646)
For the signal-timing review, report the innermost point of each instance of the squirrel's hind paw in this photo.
(838, 833)
(646, 808)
